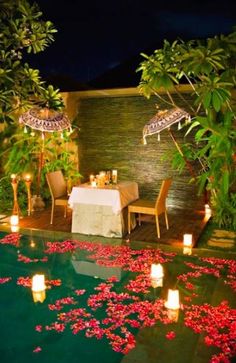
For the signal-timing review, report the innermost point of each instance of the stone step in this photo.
(225, 234)
(225, 243)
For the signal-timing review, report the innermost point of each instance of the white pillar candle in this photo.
(38, 283)
(38, 288)
(187, 242)
(172, 300)
(14, 220)
(173, 305)
(156, 275)
(188, 238)
(156, 271)
(207, 210)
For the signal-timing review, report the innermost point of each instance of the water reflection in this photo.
(89, 268)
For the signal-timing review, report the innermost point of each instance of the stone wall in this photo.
(110, 137)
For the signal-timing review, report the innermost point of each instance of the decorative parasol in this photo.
(163, 120)
(44, 120)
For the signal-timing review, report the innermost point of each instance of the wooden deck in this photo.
(180, 222)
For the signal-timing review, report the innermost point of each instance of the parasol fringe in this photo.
(164, 119)
(188, 119)
(145, 132)
(45, 120)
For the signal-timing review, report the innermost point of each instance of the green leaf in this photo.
(193, 125)
(225, 182)
(207, 99)
(216, 101)
(199, 134)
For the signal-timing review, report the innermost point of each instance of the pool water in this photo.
(74, 277)
(19, 314)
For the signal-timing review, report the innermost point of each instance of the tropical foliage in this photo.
(208, 66)
(21, 155)
(24, 31)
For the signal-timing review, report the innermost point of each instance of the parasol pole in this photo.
(189, 166)
(41, 162)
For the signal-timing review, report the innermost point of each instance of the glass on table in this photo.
(114, 176)
(108, 177)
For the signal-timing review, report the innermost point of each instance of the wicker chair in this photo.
(155, 208)
(58, 190)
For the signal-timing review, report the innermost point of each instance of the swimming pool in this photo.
(100, 305)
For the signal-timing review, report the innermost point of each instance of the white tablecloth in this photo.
(102, 211)
(117, 196)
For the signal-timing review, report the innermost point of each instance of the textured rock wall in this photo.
(110, 138)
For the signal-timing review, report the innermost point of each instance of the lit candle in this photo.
(14, 220)
(188, 239)
(13, 178)
(32, 244)
(207, 211)
(91, 178)
(173, 305)
(38, 288)
(94, 183)
(27, 178)
(157, 275)
(172, 300)
(187, 250)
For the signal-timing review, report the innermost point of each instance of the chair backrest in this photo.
(161, 198)
(56, 183)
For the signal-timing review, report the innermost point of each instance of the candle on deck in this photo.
(27, 178)
(188, 240)
(207, 211)
(13, 178)
(14, 221)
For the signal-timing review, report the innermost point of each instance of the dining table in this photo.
(102, 210)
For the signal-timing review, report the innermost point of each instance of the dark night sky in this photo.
(95, 36)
